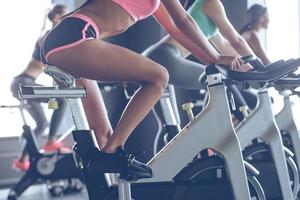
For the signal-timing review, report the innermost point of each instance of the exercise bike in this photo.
(167, 163)
(58, 170)
(285, 120)
(267, 154)
(262, 115)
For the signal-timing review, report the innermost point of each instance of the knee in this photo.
(160, 77)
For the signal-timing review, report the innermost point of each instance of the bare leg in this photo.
(96, 112)
(99, 60)
(23, 157)
(37, 113)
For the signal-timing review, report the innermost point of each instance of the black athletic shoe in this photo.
(119, 162)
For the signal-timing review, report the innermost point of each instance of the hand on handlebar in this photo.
(235, 63)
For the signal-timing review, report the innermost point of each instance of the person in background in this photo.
(211, 18)
(257, 21)
(28, 77)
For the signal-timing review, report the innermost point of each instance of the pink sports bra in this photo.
(139, 9)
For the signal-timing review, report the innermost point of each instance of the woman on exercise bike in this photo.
(257, 20)
(28, 77)
(76, 45)
(211, 18)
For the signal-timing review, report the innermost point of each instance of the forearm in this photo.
(259, 51)
(193, 39)
(198, 52)
(241, 46)
(215, 10)
(265, 60)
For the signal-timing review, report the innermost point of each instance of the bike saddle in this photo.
(60, 75)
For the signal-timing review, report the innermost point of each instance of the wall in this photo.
(236, 12)
(70, 4)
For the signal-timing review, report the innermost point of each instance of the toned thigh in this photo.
(99, 60)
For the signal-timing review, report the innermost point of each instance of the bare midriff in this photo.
(33, 69)
(110, 18)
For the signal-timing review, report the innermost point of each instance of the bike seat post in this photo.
(167, 110)
(75, 104)
(81, 124)
(124, 190)
(21, 108)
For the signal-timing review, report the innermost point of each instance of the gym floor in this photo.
(40, 192)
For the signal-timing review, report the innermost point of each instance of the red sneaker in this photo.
(55, 146)
(65, 150)
(21, 166)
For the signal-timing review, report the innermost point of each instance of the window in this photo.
(21, 22)
(283, 32)
(283, 40)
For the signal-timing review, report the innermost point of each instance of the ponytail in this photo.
(247, 27)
